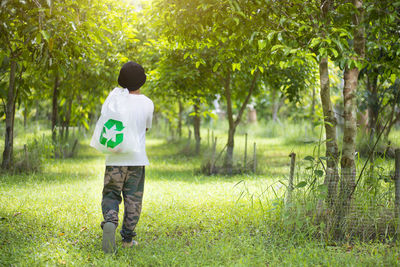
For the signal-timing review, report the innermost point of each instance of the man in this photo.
(125, 172)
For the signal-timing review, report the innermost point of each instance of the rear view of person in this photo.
(125, 172)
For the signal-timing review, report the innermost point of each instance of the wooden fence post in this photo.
(291, 176)
(254, 159)
(397, 188)
(245, 151)
(214, 150)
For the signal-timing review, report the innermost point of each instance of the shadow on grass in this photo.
(169, 161)
(43, 177)
(176, 161)
(188, 175)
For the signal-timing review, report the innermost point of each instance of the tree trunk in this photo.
(37, 111)
(61, 131)
(393, 120)
(332, 151)
(275, 106)
(373, 106)
(10, 114)
(348, 168)
(312, 109)
(180, 120)
(55, 108)
(231, 132)
(196, 125)
(397, 189)
(25, 115)
(229, 150)
(234, 123)
(68, 118)
(171, 130)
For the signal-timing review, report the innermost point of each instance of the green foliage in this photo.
(366, 221)
(31, 157)
(80, 42)
(365, 146)
(193, 51)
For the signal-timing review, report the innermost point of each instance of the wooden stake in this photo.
(71, 154)
(254, 159)
(291, 176)
(245, 151)
(397, 189)
(214, 150)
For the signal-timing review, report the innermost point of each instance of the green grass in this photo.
(188, 219)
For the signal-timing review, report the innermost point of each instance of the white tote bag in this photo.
(114, 132)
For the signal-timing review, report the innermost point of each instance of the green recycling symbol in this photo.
(111, 135)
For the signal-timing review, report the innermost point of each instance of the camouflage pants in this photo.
(130, 181)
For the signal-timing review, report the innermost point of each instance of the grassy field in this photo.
(188, 219)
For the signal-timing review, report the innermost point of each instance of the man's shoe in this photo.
(109, 237)
(133, 243)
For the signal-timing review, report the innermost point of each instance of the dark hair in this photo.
(131, 76)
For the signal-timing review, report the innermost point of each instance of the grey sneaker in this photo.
(109, 237)
(133, 243)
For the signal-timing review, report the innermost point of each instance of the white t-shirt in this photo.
(141, 114)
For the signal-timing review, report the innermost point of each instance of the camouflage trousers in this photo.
(130, 181)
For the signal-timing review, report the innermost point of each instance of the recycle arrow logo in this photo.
(111, 135)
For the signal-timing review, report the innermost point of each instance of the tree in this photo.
(176, 77)
(351, 73)
(18, 40)
(76, 48)
(381, 70)
(220, 43)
